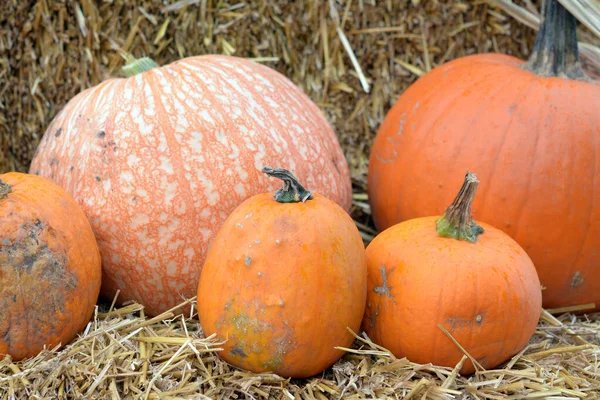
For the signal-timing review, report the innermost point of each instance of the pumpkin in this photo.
(449, 272)
(531, 131)
(159, 159)
(283, 280)
(50, 269)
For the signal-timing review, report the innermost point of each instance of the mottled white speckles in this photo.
(145, 129)
(165, 84)
(205, 115)
(240, 189)
(180, 210)
(221, 136)
(162, 144)
(126, 176)
(195, 141)
(166, 165)
(133, 160)
(174, 245)
(205, 213)
(259, 156)
(189, 252)
(170, 189)
(235, 153)
(206, 233)
(239, 225)
(139, 220)
(106, 185)
(248, 216)
(128, 93)
(163, 217)
(277, 241)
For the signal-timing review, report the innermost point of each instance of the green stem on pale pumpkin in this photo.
(5, 189)
(556, 52)
(136, 66)
(292, 191)
(457, 221)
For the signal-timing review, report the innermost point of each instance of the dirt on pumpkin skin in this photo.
(27, 262)
(253, 337)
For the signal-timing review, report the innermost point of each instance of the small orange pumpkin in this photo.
(473, 280)
(50, 270)
(530, 129)
(283, 280)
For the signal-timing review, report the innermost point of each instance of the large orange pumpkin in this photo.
(531, 131)
(50, 270)
(471, 279)
(158, 161)
(284, 278)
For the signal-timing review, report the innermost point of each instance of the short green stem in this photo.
(5, 189)
(292, 191)
(137, 66)
(457, 221)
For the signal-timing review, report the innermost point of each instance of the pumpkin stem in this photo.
(292, 191)
(556, 52)
(457, 221)
(136, 66)
(5, 189)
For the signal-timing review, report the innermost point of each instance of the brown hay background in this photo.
(52, 49)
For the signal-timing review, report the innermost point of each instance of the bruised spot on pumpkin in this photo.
(247, 261)
(384, 289)
(577, 280)
(101, 135)
(29, 257)
(58, 132)
(512, 108)
(238, 352)
(97, 178)
(461, 322)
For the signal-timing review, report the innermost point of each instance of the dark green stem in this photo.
(457, 221)
(137, 66)
(5, 189)
(292, 191)
(556, 52)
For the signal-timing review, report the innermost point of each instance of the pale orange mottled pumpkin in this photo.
(283, 280)
(158, 161)
(49, 266)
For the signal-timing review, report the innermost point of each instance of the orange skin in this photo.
(533, 139)
(50, 269)
(282, 282)
(486, 294)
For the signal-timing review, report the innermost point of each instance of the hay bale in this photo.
(54, 49)
(123, 355)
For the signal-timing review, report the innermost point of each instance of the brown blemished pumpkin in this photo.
(283, 280)
(158, 160)
(531, 131)
(50, 269)
(471, 279)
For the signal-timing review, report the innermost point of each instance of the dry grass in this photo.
(122, 355)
